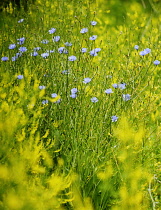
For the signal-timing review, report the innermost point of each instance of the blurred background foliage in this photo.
(118, 9)
(17, 4)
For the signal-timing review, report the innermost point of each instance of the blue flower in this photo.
(58, 101)
(136, 47)
(65, 72)
(65, 51)
(126, 97)
(4, 59)
(84, 30)
(45, 41)
(52, 30)
(84, 50)
(87, 80)
(122, 86)
(95, 51)
(14, 58)
(114, 118)
(41, 87)
(93, 23)
(115, 85)
(94, 99)
(73, 95)
(156, 62)
(45, 102)
(74, 90)
(21, 40)
(23, 49)
(62, 50)
(54, 95)
(20, 77)
(50, 51)
(145, 51)
(12, 46)
(56, 38)
(108, 91)
(142, 53)
(94, 37)
(20, 21)
(37, 48)
(68, 44)
(18, 54)
(72, 58)
(34, 53)
(44, 55)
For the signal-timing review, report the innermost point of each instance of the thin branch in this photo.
(143, 3)
(150, 193)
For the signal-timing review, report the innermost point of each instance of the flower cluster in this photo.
(73, 92)
(56, 38)
(21, 41)
(145, 52)
(66, 49)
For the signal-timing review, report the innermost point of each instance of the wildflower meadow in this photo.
(80, 106)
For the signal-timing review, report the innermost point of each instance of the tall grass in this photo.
(79, 130)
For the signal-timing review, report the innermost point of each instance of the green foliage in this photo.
(67, 153)
(16, 4)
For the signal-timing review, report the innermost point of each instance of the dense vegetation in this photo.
(80, 106)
